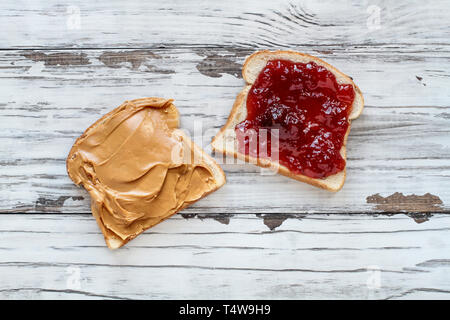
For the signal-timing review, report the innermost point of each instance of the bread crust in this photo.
(240, 103)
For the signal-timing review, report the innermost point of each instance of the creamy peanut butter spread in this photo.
(139, 169)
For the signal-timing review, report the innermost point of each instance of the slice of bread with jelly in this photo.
(226, 140)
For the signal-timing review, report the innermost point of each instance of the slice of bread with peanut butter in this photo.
(139, 168)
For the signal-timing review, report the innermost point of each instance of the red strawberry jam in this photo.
(309, 111)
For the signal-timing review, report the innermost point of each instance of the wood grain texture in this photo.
(313, 257)
(249, 24)
(400, 143)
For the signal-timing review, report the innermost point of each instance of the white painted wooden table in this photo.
(385, 235)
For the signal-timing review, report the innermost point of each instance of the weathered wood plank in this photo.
(400, 144)
(313, 257)
(249, 24)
